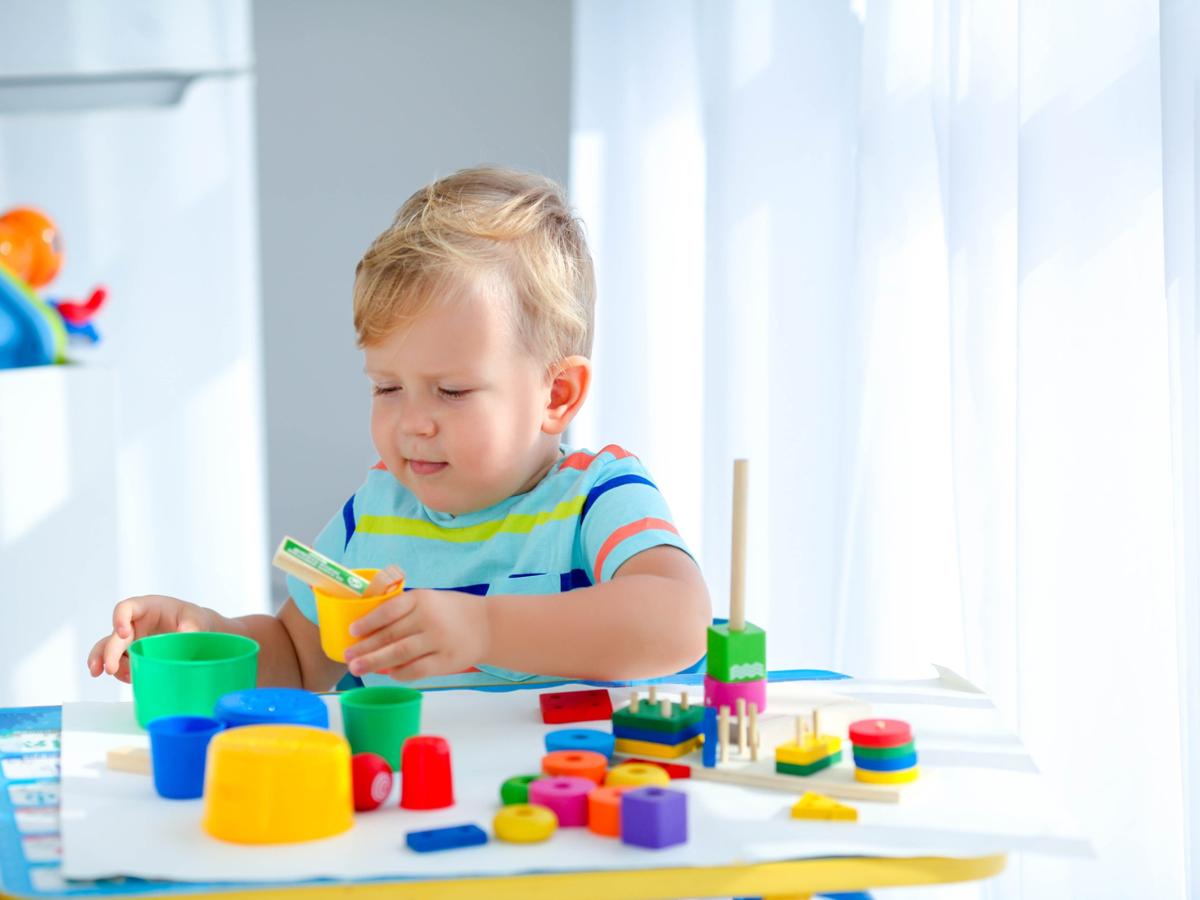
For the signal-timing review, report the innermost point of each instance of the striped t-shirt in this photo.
(590, 514)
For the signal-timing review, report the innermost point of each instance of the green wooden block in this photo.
(649, 716)
(516, 789)
(787, 769)
(885, 752)
(737, 655)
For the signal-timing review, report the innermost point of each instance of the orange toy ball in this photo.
(30, 245)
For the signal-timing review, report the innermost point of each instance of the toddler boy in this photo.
(475, 313)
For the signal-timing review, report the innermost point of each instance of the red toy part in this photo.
(372, 780)
(674, 770)
(576, 706)
(80, 313)
(427, 782)
(880, 733)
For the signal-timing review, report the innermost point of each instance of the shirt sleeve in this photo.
(623, 514)
(332, 543)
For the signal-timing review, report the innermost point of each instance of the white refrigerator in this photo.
(141, 469)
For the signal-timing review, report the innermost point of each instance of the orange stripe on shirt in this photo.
(582, 460)
(626, 531)
(380, 465)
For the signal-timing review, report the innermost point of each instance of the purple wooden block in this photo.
(654, 817)
(567, 795)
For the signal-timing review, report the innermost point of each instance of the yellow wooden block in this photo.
(135, 760)
(817, 806)
(808, 753)
(901, 776)
(660, 751)
(637, 775)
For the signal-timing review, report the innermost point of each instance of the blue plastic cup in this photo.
(178, 751)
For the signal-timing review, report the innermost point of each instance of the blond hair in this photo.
(484, 222)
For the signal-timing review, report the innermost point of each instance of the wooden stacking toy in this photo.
(660, 729)
(735, 677)
(884, 751)
(808, 753)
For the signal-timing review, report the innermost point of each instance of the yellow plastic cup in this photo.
(277, 784)
(335, 614)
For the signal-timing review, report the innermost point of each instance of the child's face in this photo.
(459, 405)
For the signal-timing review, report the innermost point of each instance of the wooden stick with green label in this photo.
(317, 570)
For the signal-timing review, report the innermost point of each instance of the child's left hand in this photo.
(421, 632)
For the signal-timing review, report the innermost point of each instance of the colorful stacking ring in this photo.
(880, 733)
(886, 765)
(901, 777)
(524, 823)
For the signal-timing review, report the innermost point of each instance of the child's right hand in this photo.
(137, 617)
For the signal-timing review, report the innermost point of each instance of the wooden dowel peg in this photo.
(653, 695)
(737, 567)
(741, 717)
(633, 702)
(723, 733)
(754, 732)
(683, 701)
(665, 708)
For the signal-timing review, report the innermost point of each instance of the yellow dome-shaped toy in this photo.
(277, 784)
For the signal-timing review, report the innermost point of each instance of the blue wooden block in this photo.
(659, 737)
(445, 838)
(708, 753)
(580, 739)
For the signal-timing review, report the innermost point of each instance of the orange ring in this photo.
(582, 763)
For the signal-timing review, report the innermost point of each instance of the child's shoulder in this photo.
(587, 472)
(608, 457)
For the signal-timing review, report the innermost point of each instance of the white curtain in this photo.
(932, 267)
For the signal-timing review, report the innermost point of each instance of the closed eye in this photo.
(379, 391)
(452, 395)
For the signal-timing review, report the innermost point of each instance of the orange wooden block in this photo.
(604, 809)
(582, 763)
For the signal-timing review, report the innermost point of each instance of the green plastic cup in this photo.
(380, 719)
(185, 673)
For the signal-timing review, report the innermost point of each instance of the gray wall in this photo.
(359, 104)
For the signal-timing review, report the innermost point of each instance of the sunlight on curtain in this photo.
(942, 293)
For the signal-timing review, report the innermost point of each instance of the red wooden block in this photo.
(674, 770)
(576, 706)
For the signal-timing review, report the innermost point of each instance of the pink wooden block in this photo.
(567, 795)
(724, 693)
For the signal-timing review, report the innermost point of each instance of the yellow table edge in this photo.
(796, 878)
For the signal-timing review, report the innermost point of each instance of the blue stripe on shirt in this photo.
(348, 519)
(604, 487)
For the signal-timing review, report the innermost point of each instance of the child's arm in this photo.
(649, 620)
(289, 644)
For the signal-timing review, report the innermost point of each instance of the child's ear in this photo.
(569, 383)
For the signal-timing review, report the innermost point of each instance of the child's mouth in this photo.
(424, 467)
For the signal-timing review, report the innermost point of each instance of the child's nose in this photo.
(417, 419)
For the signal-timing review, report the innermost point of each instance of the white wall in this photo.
(359, 104)
(155, 200)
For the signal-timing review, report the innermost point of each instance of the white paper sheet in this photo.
(979, 793)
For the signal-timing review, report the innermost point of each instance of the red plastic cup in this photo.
(427, 779)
